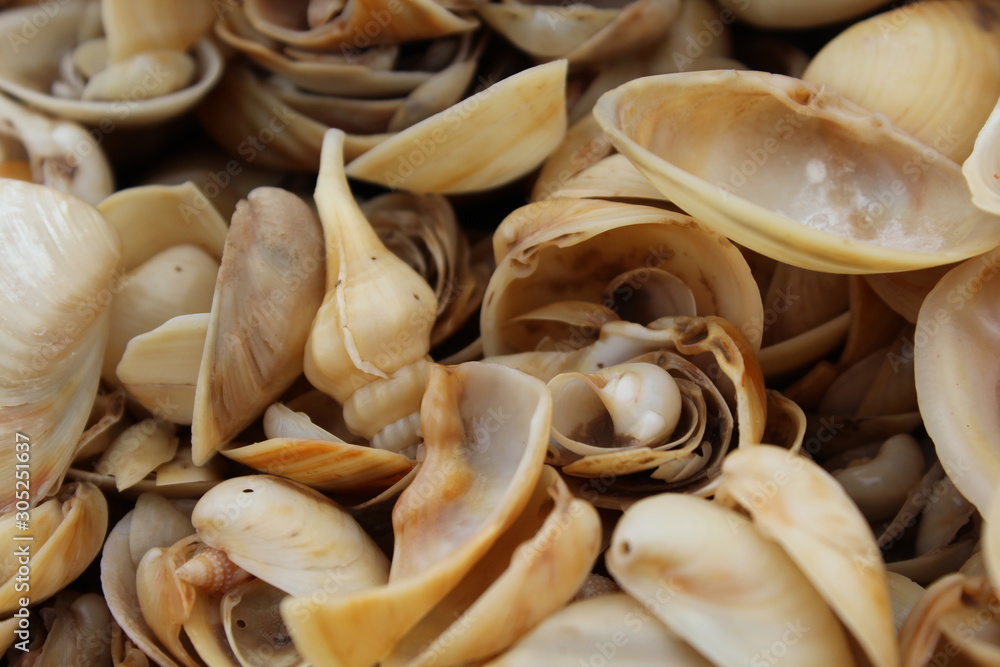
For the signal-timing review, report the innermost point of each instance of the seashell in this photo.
(794, 209)
(904, 595)
(905, 291)
(528, 111)
(60, 254)
(288, 535)
(982, 168)
(584, 145)
(873, 63)
(501, 415)
(183, 216)
(251, 617)
(67, 530)
(785, 14)
(309, 454)
(641, 262)
(410, 21)
(375, 367)
(56, 153)
(955, 319)
(422, 231)
(955, 609)
(879, 482)
(482, 618)
(154, 523)
(177, 281)
(642, 638)
(794, 502)
(580, 33)
(613, 178)
(150, 25)
(74, 621)
(702, 591)
(138, 451)
(30, 69)
(922, 552)
(107, 421)
(211, 570)
(123, 79)
(159, 368)
(268, 290)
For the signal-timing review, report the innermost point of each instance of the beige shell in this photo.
(956, 320)
(617, 625)
(982, 168)
(804, 176)
(677, 549)
(941, 92)
(794, 502)
(370, 354)
(631, 259)
(486, 429)
(527, 112)
(59, 255)
(66, 533)
(268, 290)
(30, 64)
(792, 14)
(52, 152)
(288, 535)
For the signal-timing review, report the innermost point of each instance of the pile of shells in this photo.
(454, 333)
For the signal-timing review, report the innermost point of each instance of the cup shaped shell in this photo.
(28, 67)
(802, 175)
(574, 249)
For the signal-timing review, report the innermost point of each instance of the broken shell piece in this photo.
(147, 25)
(789, 14)
(289, 535)
(67, 532)
(703, 590)
(527, 113)
(816, 181)
(59, 255)
(268, 289)
(486, 428)
(160, 368)
(138, 451)
(74, 621)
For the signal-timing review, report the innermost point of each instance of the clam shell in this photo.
(804, 176)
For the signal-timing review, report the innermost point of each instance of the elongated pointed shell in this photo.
(956, 385)
(803, 176)
(58, 255)
(269, 288)
(526, 114)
